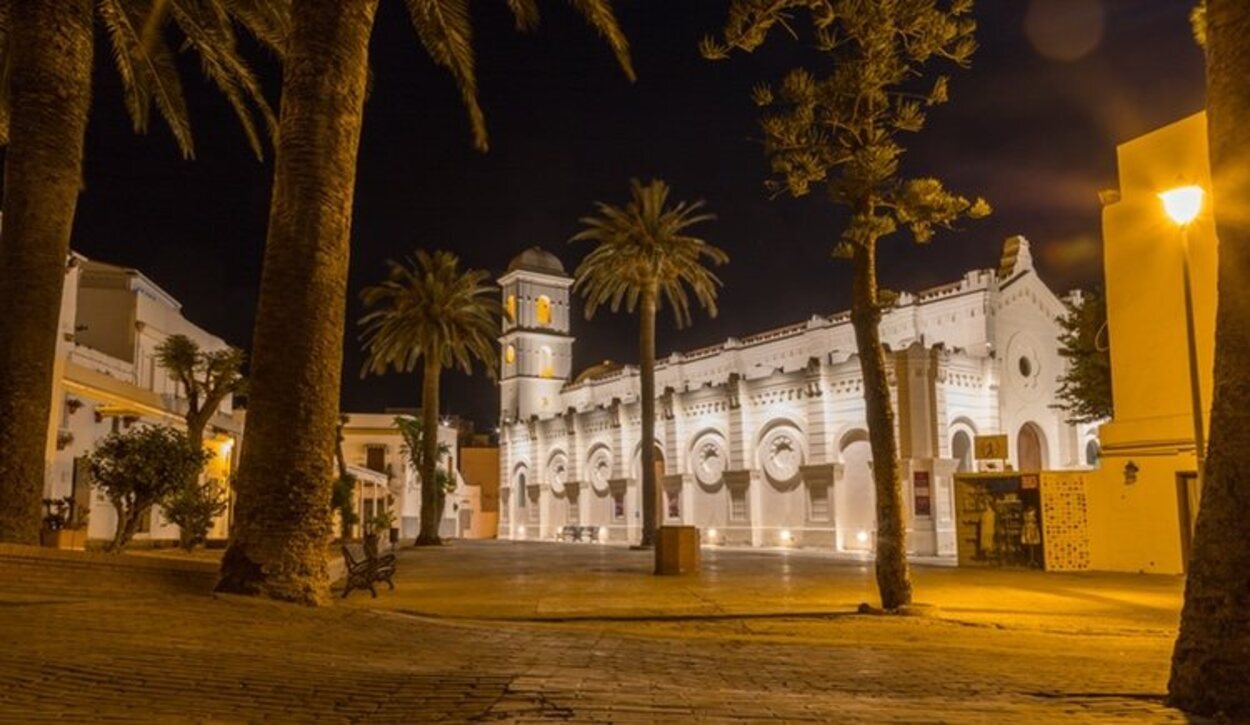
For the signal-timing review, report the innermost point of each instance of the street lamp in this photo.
(1182, 205)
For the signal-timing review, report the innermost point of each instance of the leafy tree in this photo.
(430, 312)
(277, 545)
(645, 257)
(1213, 647)
(207, 378)
(139, 468)
(1085, 387)
(413, 432)
(193, 507)
(45, 96)
(842, 130)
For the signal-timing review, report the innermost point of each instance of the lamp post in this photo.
(1182, 206)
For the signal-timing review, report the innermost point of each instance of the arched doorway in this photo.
(961, 450)
(855, 496)
(1030, 448)
(667, 502)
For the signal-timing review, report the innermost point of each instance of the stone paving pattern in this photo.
(498, 631)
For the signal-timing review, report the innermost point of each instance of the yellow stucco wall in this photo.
(480, 469)
(1135, 526)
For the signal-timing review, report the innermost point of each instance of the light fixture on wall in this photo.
(862, 537)
(1130, 473)
(786, 536)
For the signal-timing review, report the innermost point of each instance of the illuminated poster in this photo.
(999, 520)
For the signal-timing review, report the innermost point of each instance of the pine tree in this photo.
(1085, 387)
(841, 130)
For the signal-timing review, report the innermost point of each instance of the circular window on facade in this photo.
(1026, 366)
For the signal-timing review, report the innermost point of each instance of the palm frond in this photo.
(209, 30)
(427, 307)
(269, 21)
(525, 12)
(642, 247)
(148, 73)
(600, 16)
(446, 32)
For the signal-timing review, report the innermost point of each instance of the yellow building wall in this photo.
(1135, 525)
(480, 469)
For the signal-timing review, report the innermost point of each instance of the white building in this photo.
(107, 379)
(374, 452)
(763, 439)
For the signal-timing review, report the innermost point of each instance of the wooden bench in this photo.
(579, 533)
(363, 573)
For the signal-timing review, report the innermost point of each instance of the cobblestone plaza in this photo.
(498, 631)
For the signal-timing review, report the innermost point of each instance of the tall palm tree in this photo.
(430, 312)
(277, 545)
(645, 257)
(1213, 648)
(45, 96)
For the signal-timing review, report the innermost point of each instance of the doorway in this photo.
(1188, 495)
(1030, 448)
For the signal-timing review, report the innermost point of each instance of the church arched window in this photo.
(542, 310)
(509, 308)
(546, 363)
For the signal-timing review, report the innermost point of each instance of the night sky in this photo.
(1032, 126)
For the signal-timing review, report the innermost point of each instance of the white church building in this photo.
(763, 439)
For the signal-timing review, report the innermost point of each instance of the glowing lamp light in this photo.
(786, 536)
(1183, 204)
(862, 537)
(711, 534)
(226, 446)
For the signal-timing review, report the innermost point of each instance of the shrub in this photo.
(139, 468)
(192, 507)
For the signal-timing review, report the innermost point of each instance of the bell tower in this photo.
(536, 350)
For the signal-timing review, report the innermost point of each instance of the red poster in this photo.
(922, 493)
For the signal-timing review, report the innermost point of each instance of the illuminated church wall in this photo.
(764, 438)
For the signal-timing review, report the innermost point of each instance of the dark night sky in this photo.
(1034, 134)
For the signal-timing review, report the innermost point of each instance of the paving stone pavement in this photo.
(116, 653)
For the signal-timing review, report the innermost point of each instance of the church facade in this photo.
(762, 440)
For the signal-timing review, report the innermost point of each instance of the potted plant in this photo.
(384, 520)
(64, 524)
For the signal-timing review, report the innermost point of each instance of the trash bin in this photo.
(677, 550)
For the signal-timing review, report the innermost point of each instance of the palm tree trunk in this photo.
(646, 347)
(50, 94)
(430, 508)
(893, 580)
(283, 520)
(1209, 664)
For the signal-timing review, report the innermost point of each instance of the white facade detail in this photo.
(763, 439)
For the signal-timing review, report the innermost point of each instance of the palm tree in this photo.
(429, 312)
(644, 258)
(1209, 662)
(45, 96)
(277, 545)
